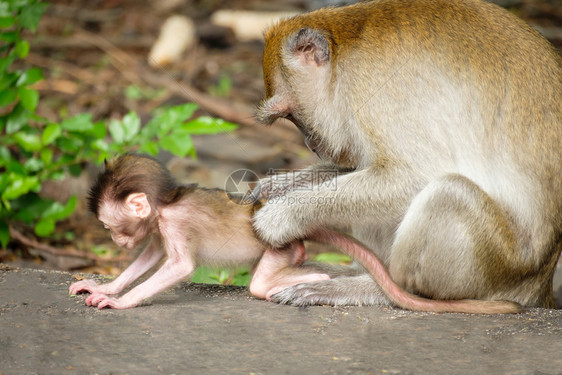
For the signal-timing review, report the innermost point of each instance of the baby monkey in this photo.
(138, 200)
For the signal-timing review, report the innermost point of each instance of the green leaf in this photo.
(45, 227)
(30, 15)
(22, 49)
(102, 155)
(208, 125)
(9, 36)
(70, 144)
(51, 133)
(27, 214)
(27, 141)
(5, 62)
(178, 143)
(75, 169)
(150, 129)
(150, 148)
(174, 116)
(58, 211)
(99, 130)
(116, 131)
(17, 119)
(47, 156)
(13, 165)
(5, 180)
(29, 77)
(6, 21)
(33, 165)
(29, 98)
(56, 175)
(131, 125)
(7, 80)
(4, 234)
(6, 9)
(5, 155)
(30, 207)
(203, 275)
(334, 258)
(78, 123)
(100, 144)
(242, 277)
(7, 97)
(19, 187)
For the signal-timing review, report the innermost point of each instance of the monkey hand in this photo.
(101, 301)
(276, 223)
(282, 183)
(90, 286)
(269, 188)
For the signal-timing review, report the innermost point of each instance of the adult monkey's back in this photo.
(445, 120)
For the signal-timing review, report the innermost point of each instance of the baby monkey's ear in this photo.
(138, 204)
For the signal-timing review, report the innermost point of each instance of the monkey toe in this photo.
(307, 294)
(295, 297)
(341, 291)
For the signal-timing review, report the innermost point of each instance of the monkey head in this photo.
(127, 195)
(130, 222)
(300, 67)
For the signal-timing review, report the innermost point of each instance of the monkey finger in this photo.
(83, 286)
(95, 298)
(89, 301)
(107, 302)
(113, 303)
(272, 187)
(103, 304)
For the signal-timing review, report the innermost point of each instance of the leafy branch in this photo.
(34, 149)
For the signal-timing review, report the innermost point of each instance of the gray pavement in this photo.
(205, 329)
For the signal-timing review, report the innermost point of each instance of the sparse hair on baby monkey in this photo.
(138, 200)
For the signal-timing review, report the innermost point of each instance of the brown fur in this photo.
(449, 112)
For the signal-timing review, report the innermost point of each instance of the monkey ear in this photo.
(311, 47)
(138, 204)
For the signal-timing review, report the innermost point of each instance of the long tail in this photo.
(401, 297)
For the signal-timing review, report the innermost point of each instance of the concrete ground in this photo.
(205, 329)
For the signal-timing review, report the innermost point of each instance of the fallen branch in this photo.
(18, 236)
(70, 69)
(135, 73)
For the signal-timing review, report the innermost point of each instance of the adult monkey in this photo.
(444, 119)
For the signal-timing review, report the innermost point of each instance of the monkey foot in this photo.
(334, 292)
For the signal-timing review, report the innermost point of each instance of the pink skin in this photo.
(275, 271)
(175, 268)
(100, 294)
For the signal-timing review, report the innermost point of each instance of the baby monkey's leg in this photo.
(279, 269)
